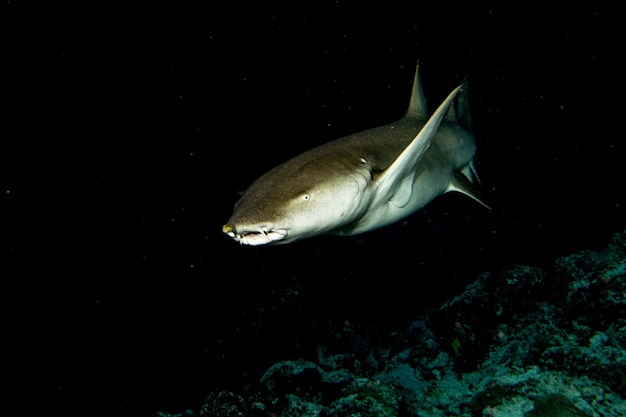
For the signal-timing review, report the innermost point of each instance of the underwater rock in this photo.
(186, 413)
(521, 342)
(297, 407)
(228, 404)
(554, 405)
(366, 397)
(583, 297)
(297, 376)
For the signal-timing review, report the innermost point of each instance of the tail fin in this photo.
(467, 181)
(459, 110)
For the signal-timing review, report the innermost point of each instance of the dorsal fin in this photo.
(417, 105)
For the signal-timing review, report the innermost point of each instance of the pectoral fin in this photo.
(390, 181)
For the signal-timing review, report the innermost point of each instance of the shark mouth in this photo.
(263, 236)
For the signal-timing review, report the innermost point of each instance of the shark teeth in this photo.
(261, 237)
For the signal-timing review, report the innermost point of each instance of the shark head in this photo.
(300, 198)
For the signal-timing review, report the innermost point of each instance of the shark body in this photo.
(363, 181)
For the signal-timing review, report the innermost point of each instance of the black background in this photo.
(127, 135)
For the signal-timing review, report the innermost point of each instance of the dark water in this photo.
(128, 136)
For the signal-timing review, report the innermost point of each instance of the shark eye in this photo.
(305, 197)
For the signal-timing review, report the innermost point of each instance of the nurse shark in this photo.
(366, 180)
